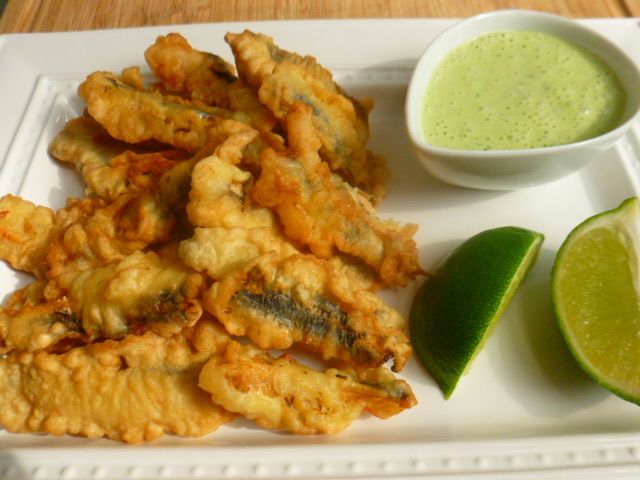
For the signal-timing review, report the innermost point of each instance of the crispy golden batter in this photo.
(25, 232)
(30, 322)
(320, 210)
(283, 78)
(256, 56)
(220, 251)
(231, 231)
(206, 189)
(303, 300)
(280, 393)
(182, 69)
(135, 115)
(140, 293)
(90, 233)
(208, 78)
(244, 101)
(108, 167)
(133, 390)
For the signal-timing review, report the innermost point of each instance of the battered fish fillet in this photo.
(134, 390)
(90, 233)
(29, 322)
(283, 78)
(182, 69)
(135, 115)
(108, 167)
(303, 300)
(229, 230)
(280, 393)
(208, 78)
(25, 233)
(244, 101)
(318, 209)
(38, 326)
(140, 293)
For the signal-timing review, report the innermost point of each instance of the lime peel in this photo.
(457, 308)
(595, 291)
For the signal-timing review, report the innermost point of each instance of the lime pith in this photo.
(456, 308)
(596, 297)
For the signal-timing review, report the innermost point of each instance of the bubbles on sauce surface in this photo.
(518, 89)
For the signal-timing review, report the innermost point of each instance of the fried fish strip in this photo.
(108, 167)
(202, 76)
(283, 78)
(303, 300)
(280, 393)
(30, 322)
(220, 251)
(25, 232)
(134, 390)
(318, 209)
(90, 233)
(135, 115)
(244, 101)
(140, 293)
(230, 231)
(208, 78)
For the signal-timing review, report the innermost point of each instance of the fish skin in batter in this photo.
(280, 393)
(305, 301)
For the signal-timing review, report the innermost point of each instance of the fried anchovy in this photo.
(319, 209)
(135, 115)
(304, 300)
(142, 292)
(184, 70)
(323, 320)
(109, 167)
(284, 79)
(132, 390)
(280, 393)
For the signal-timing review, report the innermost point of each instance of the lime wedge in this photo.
(596, 298)
(456, 308)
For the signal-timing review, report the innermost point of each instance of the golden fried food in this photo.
(280, 393)
(30, 322)
(90, 233)
(244, 101)
(134, 390)
(220, 251)
(207, 78)
(283, 78)
(182, 69)
(229, 230)
(134, 115)
(36, 327)
(318, 209)
(303, 300)
(140, 293)
(109, 167)
(206, 195)
(25, 232)
(218, 194)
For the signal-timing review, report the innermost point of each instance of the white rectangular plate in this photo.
(523, 409)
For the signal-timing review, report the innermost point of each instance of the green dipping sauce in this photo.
(518, 89)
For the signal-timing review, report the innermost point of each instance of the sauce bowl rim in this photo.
(417, 87)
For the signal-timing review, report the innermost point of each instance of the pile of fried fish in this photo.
(229, 212)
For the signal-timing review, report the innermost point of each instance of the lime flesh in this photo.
(457, 307)
(596, 298)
